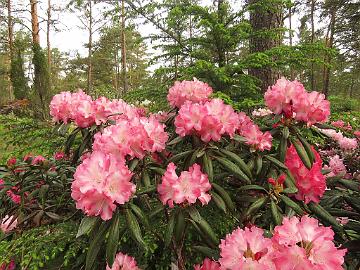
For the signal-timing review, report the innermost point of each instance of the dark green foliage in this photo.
(18, 78)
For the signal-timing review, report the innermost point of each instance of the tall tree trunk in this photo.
(312, 10)
(123, 49)
(48, 35)
(11, 46)
(264, 19)
(90, 45)
(41, 78)
(292, 73)
(330, 46)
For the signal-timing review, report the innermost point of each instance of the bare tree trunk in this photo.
(123, 49)
(11, 47)
(34, 23)
(312, 10)
(116, 85)
(264, 20)
(330, 46)
(90, 45)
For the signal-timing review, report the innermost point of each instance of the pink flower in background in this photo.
(60, 107)
(347, 144)
(38, 160)
(261, 112)
(336, 165)
(10, 266)
(194, 91)
(246, 249)
(14, 197)
(123, 262)
(59, 155)
(11, 161)
(8, 224)
(208, 264)
(291, 99)
(303, 244)
(254, 136)
(100, 181)
(2, 182)
(341, 124)
(28, 157)
(190, 186)
(311, 183)
(357, 133)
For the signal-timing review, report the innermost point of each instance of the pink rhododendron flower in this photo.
(11, 162)
(246, 249)
(194, 91)
(346, 144)
(341, 124)
(357, 133)
(291, 99)
(10, 266)
(303, 244)
(336, 165)
(38, 160)
(190, 186)
(254, 136)
(61, 108)
(132, 137)
(101, 110)
(8, 224)
(208, 265)
(82, 112)
(311, 183)
(209, 120)
(14, 197)
(99, 182)
(123, 262)
(59, 155)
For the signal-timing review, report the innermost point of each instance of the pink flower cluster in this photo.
(8, 224)
(15, 198)
(210, 120)
(208, 265)
(296, 244)
(123, 262)
(261, 112)
(311, 183)
(132, 137)
(346, 144)
(341, 124)
(10, 266)
(190, 186)
(336, 165)
(291, 99)
(80, 108)
(99, 182)
(254, 136)
(193, 91)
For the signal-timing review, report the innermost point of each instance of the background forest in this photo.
(135, 49)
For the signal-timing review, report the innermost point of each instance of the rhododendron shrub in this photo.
(154, 191)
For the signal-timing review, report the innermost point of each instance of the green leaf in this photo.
(218, 201)
(252, 187)
(276, 213)
(302, 154)
(139, 214)
(293, 205)
(282, 148)
(206, 229)
(113, 239)
(257, 205)
(175, 141)
(324, 215)
(307, 148)
(146, 179)
(95, 245)
(149, 189)
(87, 223)
(179, 156)
(179, 225)
(208, 167)
(276, 162)
(225, 196)
(134, 227)
(353, 185)
(258, 163)
(207, 252)
(158, 170)
(239, 161)
(233, 168)
(169, 229)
